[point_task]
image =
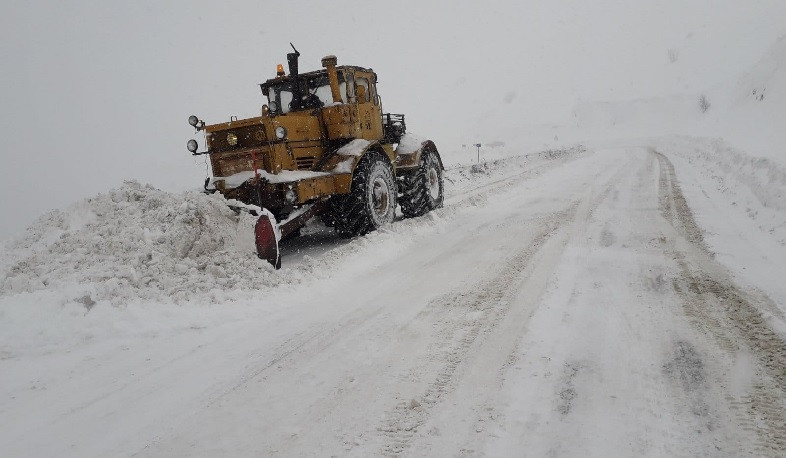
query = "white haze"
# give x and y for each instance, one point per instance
(97, 92)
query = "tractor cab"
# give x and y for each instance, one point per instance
(355, 85)
(315, 88)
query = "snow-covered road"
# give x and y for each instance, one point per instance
(567, 305)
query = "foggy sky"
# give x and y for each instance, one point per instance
(97, 92)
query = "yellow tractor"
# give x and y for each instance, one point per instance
(321, 147)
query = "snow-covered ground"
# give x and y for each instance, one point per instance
(613, 299)
(619, 296)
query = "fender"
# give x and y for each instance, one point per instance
(409, 152)
(346, 158)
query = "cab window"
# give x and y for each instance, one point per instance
(367, 89)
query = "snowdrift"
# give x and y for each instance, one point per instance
(753, 187)
(136, 242)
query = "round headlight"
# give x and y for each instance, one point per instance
(193, 120)
(281, 132)
(231, 139)
(273, 106)
(290, 197)
(192, 145)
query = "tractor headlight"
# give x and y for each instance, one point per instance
(232, 139)
(193, 120)
(281, 132)
(290, 196)
(192, 145)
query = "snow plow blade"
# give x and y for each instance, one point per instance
(267, 243)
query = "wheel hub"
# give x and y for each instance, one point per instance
(380, 195)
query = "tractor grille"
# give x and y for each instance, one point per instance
(305, 163)
(246, 137)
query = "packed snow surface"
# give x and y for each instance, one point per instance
(619, 299)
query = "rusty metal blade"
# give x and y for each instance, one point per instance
(267, 244)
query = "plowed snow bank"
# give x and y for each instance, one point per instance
(136, 242)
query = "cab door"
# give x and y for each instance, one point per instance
(369, 109)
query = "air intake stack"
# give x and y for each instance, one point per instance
(329, 63)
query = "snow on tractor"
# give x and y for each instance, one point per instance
(322, 147)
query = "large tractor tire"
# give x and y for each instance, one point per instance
(371, 202)
(423, 188)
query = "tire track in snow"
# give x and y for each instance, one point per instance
(730, 315)
(500, 349)
(492, 315)
(553, 158)
(479, 194)
(471, 194)
(464, 318)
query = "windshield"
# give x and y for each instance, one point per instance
(317, 95)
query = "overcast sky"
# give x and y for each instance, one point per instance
(95, 92)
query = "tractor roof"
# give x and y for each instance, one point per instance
(287, 78)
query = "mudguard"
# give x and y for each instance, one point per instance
(346, 158)
(409, 152)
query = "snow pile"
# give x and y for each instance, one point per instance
(136, 242)
(756, 186)
(765, 179)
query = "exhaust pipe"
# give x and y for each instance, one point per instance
(297, 97)
(329, 63)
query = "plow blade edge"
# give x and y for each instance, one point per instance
(267, 242)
